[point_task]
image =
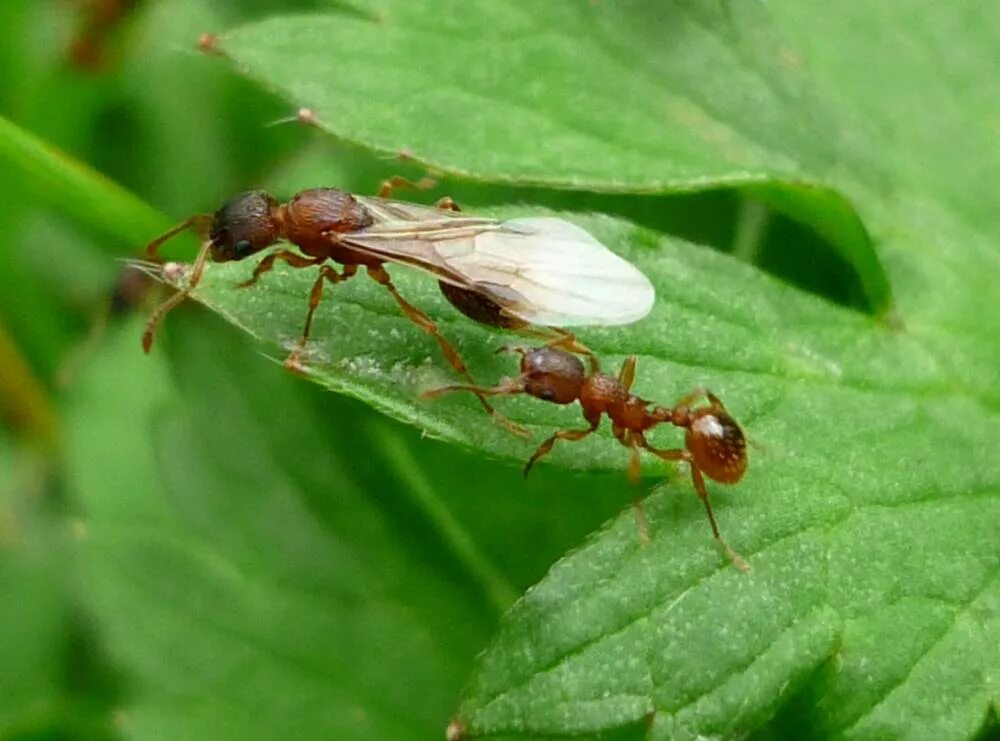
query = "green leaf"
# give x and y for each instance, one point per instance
(614, 109)
(30, 627)
(797, 375)
(870, 515)
(270, 559)
(256, 570)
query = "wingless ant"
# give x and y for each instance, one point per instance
(714, 445)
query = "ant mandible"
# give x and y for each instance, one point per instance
(714, 444)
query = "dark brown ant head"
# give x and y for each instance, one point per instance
(244, 226)
(716, 443)
(552, 375)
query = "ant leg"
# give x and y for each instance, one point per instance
(267, 264)
(521, 350)
(398, 181)
(507, 387)
(692, 396)
(627, 374)
(293, 362)
(699, 486)
(198, 223)
(415, 315)
(715, 400)
(564, 340)
(624, 437)
(154, 319)
(634, 474)
(634, 463)
(425, 183)
(546, 447)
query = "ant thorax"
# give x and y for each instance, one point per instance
(311, 216)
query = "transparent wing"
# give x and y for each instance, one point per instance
(542, 270)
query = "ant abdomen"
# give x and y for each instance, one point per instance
(717, 445)
(552, 375)
(478, 307)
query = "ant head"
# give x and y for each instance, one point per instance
(552, 375)
(245, 225)
(717, 444)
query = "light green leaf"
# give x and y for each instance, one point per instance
(33, 624)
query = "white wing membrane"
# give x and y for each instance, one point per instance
(542, 270)
(565, 277)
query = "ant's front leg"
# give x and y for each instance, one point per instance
(627, 438)
(267, 264)
(506, 387)
(154, 319)
(546, 447)
(326, 275)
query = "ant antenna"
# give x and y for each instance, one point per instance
(199, 223)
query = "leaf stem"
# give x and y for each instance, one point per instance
(499, 591)
(75, 188)
(23, 400)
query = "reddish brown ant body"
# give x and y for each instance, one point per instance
(714, 445)
(531, 274)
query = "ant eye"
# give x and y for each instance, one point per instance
(242, 249)
(547, 395)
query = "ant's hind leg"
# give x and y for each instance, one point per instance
(326, 274)
(415, 315)
(508, 387)
(398, 181)
(425, 183)
(561, 339)
(689, 398)
(716, 401)
(699, 486)
(267, 264)
(546, 447)
(634, 474)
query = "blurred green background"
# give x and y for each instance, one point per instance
(336, 527)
